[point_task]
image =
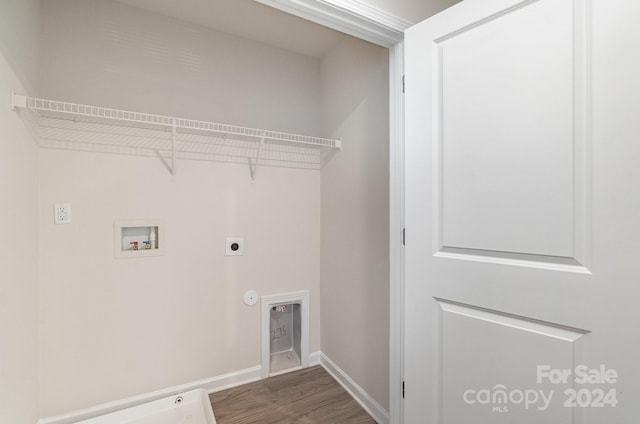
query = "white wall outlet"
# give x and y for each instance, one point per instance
(235, 246)
(62, 213)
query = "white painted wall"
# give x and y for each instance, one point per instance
(127, 326)
(355, 216)
(18, 261)
(411, 10)
(112, 328)
(19, 38)
(100, 51)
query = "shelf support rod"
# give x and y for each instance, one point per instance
(173, 147)
(254, 165)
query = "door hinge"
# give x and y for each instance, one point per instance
(403, 390)
(403, 236)
(403, 84)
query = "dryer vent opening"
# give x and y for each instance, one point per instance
(285, 332)
(285, 335)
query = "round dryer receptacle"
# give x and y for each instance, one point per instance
(251, 298)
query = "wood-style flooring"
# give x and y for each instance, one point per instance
(306, 396)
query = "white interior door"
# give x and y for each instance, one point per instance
(523, 214)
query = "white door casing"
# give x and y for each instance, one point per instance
(521, 213)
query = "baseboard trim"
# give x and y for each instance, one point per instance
(211, 385)
(314, 358)
(222, 382)
(369, 404)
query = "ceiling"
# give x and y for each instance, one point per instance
(249, 19)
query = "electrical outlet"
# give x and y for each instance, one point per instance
(62, 213)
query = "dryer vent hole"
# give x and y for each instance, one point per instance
(285, 332)
(285, 335)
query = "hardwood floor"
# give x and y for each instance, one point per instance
(307, 396)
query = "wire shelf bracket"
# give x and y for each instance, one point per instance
(71, 126)
(254, 164)
(174, 133)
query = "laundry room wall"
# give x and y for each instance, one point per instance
(19, 223)
(113, 328)
(355, 216)
(20, 40)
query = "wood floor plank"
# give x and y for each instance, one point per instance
(306, 396)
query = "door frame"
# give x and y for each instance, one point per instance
(365, 22)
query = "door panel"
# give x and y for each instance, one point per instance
(478, 346)
(518, 254)
(509, 118)
(496, 85)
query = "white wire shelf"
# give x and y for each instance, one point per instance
(71, 126)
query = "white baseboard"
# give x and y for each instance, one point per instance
(369, 404)
(222, 382)
(211, 385)
(314, 358)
